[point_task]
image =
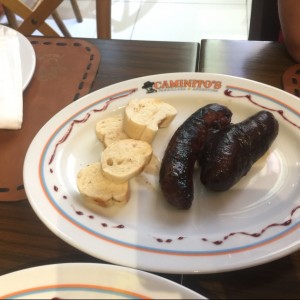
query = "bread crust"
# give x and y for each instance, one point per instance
(110, 130)
(93, 186)
(143, 118)
(124, 159)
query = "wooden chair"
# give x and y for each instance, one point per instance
(103, 13)
(34, 17)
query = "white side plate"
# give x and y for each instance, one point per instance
(28, 58)
(89, 281)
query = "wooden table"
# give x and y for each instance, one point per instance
(261, 61)
(264, 62)
(26, 242)
(122, 59)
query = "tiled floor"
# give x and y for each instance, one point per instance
(168, 20)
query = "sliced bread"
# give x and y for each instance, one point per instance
(110, 130)
(93, 186)
(142, 118)
(125, 159)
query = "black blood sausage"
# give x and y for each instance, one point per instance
(177, 167)
(230, 153)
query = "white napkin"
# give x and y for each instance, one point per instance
(11, 89)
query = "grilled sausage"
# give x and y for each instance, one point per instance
(230, 153)
(177, 167)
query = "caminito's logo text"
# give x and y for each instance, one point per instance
(181, 84)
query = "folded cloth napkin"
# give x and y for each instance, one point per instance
(11, 90)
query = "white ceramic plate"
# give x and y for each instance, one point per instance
(89, 281)
(255, 222)
(28, 58)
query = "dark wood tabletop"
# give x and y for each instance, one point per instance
(265, 62)
(256, 60)
(26, 242)
(122, 59)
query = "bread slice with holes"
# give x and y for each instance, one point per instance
(124, 159)
(110, 129)
(94, 187)
(142, 118)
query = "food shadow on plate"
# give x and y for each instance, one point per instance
(148, 209)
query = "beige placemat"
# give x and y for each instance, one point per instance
(65, 71)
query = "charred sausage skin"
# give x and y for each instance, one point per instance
(230, 153)
(177, 167)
